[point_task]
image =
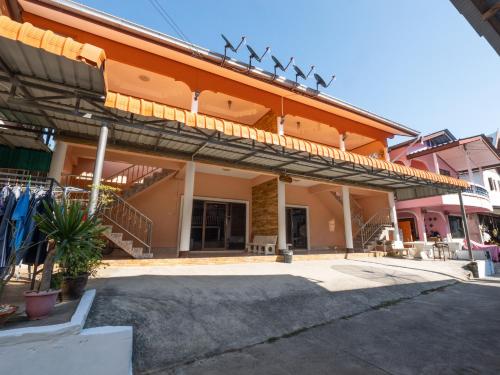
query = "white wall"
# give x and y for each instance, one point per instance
(67, 348)
(494, 195)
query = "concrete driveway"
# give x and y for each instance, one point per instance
(308, 317)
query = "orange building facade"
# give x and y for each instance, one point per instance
(207, 154)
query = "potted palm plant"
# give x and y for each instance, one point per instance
(77, 241)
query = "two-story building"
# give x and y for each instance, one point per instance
(474, 159)
(207, 152)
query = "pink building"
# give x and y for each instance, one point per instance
(474, 159)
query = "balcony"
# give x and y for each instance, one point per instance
(477, 189)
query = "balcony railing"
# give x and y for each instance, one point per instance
(477, 190)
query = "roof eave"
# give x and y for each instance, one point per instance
(216, 58)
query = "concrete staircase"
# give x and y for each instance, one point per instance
(372, 230)
(126, 245)
(145, 183)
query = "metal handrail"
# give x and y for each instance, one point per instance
(114, 209)
(477, 189)
(126, 217)
(134, 173)
(373, 225)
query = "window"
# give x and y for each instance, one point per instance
(444, 172)
(456, 227)
(491, 183)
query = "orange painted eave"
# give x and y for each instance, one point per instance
(151, 109)
(42, 13)
(47, 40)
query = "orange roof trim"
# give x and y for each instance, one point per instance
(146, 108)
(49, 41)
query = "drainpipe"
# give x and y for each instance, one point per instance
(99, 162)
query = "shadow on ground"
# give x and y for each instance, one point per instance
(179, 320)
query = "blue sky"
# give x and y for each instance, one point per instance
(419, 63)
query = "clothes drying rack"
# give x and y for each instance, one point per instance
(21, 178)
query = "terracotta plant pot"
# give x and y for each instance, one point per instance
(6, 311)
(39, 305)
(73, 287)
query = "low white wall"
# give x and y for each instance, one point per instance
(67, 348)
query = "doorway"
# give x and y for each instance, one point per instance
(296, 227)
(218, 225)
(407, 226)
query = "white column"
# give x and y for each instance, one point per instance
(436, 163)
(421, 226)
(281, 216)
(281, 125)
(469, 168)
(194, 102)
(394, 216)
(187, 207)
(346, 204)
(99, 162)
(57, 162)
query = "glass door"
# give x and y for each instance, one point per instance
(218, 225)
(296, 227)
(214, 236)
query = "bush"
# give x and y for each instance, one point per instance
(76, 237)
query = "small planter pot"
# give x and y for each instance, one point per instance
(6, 311)
(39, 305)
(73, 287)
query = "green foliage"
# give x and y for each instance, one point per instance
(76, 235)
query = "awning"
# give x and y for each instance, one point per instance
(47, 91)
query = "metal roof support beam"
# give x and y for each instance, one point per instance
(14, 80)
(233, 145)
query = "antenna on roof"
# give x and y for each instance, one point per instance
(321, 82)
(278, 65)
(230, 46)
(300, 73)
(253, 55)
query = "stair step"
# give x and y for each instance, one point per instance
(117, 236)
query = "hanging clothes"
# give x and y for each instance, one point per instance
(19, 217)
(7, 204)
(34, 244)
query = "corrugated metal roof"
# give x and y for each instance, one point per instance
(489, 28)
(148, 108)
